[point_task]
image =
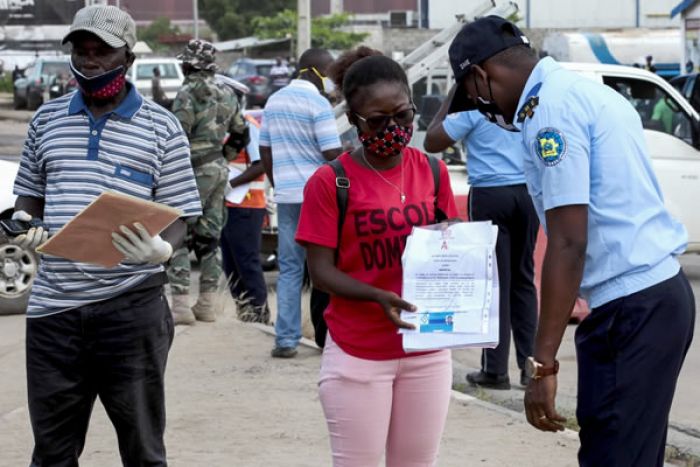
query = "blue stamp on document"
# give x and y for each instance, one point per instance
(442, 321)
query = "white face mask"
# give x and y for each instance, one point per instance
(326, 82)
(328, 85)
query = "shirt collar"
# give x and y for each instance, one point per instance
(302, 83)
(126, 109)
(543, 68)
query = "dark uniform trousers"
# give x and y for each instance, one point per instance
(630, 352)
(511, 209)
(240, 246)
(115, 349)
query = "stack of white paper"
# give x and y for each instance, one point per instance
(450, 273)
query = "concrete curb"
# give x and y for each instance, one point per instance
(14, 116)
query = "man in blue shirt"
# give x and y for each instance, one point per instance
(609, 236)
(92, 331)
(498, 194)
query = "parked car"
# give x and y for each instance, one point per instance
(18, 266)
(254, 73)
(32, 90)
(171, 76)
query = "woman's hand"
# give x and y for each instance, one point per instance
(392, 305)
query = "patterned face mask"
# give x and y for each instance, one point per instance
(104, 86)
(387, 142)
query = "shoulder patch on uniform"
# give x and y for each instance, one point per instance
(550, 146)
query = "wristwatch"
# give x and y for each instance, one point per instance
(537, 370)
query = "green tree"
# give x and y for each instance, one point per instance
(158, 28)
(325, 30)
(232, 19)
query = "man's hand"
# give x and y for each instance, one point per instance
(140, 247)
(392, 305)
(539, 404)
(34, 236)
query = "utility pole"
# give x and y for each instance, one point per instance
(303, 26)
(195, 15)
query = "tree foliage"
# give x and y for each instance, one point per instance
(326, 31)
(231, 19)
(158, 28)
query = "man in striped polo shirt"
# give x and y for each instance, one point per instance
(298, 135)
(93, 331)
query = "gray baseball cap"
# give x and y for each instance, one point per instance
(114, 26)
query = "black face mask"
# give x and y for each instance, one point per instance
(491, 111)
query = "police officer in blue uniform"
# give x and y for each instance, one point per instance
(609, 237)
(498, 194)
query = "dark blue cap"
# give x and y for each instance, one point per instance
(475, 43)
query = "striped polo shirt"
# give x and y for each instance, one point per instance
(298, 124)
(70, 158)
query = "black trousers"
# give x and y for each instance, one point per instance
(241, 241)
(115, 350)
(511, 209)
(630, 352)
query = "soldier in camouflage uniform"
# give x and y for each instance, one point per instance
(207, 112)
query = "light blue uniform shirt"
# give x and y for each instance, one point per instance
(586, 146)
(494, 155)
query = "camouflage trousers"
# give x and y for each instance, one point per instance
(203, 233)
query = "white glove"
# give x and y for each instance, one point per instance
(34, 236)
(140, 247)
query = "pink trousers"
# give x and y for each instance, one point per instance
(398, 406)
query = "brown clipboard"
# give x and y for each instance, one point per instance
(87, 238)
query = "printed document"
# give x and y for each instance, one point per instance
(236, 195)
(450, 274)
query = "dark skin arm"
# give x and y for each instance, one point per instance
(175, 233)
(254, 171)
(562, 271)
(327, 277)
(32, 206)
(436, 139)
(266, 159)
(331, 154)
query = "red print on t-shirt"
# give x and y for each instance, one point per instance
(372, 242)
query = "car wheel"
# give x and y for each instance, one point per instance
(33, 101)
(17, 102)
(18, 268)
(268, 261)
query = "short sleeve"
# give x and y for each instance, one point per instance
(265, 130)
(176, 183)
(560, 144)
(325, 128)
(459, 125)
(31, 180)
(446, 200)
(253, 148)
(318, 222)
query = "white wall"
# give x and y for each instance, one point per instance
(569, 14)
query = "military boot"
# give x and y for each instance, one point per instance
(206, 307)
(180, 308)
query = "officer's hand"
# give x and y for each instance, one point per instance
(140, 247)
(34, 236)
(392, 305)
(539, 404)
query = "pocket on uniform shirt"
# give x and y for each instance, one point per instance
(133, 175)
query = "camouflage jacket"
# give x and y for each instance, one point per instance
(207, 112)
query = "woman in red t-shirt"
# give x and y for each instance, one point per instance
(375, 396)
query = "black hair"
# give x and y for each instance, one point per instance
(364, 67)
(314, 58)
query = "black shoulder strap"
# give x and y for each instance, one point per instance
(342, 185)
(435, 169)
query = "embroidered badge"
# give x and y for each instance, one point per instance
(550, 146)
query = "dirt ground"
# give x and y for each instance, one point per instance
(230, 404)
